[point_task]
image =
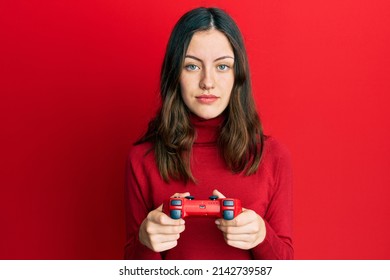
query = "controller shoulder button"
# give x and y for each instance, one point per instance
(175, 214)
(228, 203)
(176, 202)
(228, 214)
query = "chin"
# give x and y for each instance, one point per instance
(207, 115)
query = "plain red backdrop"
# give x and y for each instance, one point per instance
(79, 82)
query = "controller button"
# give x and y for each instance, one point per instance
(176, 214)
(190, 197)
(213, 197)
(228, 214)
(228, 203)
(176, 202)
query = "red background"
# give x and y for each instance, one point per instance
(79, 81)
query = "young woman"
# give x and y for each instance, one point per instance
(207, 139)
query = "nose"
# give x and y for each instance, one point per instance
(207, 80)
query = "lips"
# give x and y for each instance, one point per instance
(206, 98)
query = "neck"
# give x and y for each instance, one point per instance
(207, 130)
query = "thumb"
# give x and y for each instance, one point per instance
(217, 193)
(181, 194)
(160, 208)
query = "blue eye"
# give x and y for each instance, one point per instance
(191, 67)
(223, 67)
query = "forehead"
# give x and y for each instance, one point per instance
(209, 44)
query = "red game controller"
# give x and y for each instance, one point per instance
(179, 207)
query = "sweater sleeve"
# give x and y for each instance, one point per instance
(278, 217)
(136, 208)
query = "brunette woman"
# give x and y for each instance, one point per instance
(207, 139)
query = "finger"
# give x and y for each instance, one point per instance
(239, 244)
(244, 218)
(158, 217)
(159, 243)
(219, 194)
(239, 237)
(165, 220)
(163, 238)
(165, 230)
(181, 194)
(251, 228)
(165, 246)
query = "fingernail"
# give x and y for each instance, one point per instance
(217, 222)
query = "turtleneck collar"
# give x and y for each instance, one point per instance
(206, 131)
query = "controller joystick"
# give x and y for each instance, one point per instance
(226, 208)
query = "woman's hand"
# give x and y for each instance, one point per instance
(245, 231)
(159, 232)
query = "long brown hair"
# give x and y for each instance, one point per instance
(241, 137)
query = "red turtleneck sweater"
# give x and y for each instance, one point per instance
(268, 193)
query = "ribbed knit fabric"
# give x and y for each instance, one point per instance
(268, 193)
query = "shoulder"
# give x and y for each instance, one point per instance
(140, 150)
(275, 149)
(140, 155)
(276, 155)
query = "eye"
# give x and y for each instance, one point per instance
(223, 67)
(191, 67)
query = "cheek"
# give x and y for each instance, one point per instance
(185, 91)
(184, 84)
(188, 86)
(228, 84)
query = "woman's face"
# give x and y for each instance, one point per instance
(207, 76)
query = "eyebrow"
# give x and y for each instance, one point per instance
(219, 58)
